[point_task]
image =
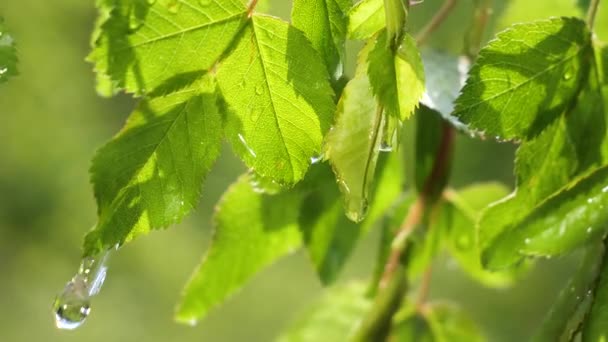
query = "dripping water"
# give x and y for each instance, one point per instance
(72, 306)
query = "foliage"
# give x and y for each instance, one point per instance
(316, 140)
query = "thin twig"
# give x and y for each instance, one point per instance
(425, 286)
(436, 21)
(593, 7)
(251, 7)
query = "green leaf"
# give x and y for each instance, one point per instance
(397, 79)
(252, 230)
(413, 328)
(525, 78)
(569, 147)
(450, 324)
(279, 100)
(150, 175)
(352, 146)
(573, 216)
(594, 328)
(366, 18)
(459, 215)
(333, 318)
(324, 22)
(140, 47)
(574, 300)
(8, 54)
(329, 235)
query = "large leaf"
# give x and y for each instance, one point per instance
(141, 47)
(396, 77)
(366, 18)
(569, 147)
(353, 145)
(324, 22)
(525, 78)
(252, 230)
(574, 215)
(279, 99)
(8, 54)
(335, 317)
(150, 175)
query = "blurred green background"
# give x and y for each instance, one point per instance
(51, 122)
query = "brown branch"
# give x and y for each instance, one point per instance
(436, 21)
(251, 7)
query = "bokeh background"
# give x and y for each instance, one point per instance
(51, 122)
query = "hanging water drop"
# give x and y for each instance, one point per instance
(317, 159)
(72, 306)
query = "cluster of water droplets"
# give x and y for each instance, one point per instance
(73, 305)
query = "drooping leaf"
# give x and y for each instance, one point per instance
(525, 78)
(150, 175)
(333, 318)
(329, 236)
(594, 327)
(141, 46)
(459, 214)
(397, 78)
(8, 54)
(574, 300)
(279, 99)
(573, 216)
(366, 18)
(252, 230)
(324, 22)
(353, 145)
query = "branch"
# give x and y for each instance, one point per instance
(593, 7)
(436, 21)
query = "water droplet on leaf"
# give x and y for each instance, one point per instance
(72, 306)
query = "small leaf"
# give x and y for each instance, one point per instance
(324, 22)
(279, 99)
(150, 175)
(8, 54)
(366, 18)
(140, 47)
(252, 230)
(573, 216)
(525, 78)
(397, 79)
(333, 318)
(353, 145)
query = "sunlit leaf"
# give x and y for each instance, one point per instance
(366, 18)
(252, 230)
(324, 22)
(141, 47)
(525, 78)
(150, 175)
(279, 99)
(397, 79)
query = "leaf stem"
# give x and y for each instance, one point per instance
(591, 13)
(474, 38)
(250, 7)
(436, 21)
